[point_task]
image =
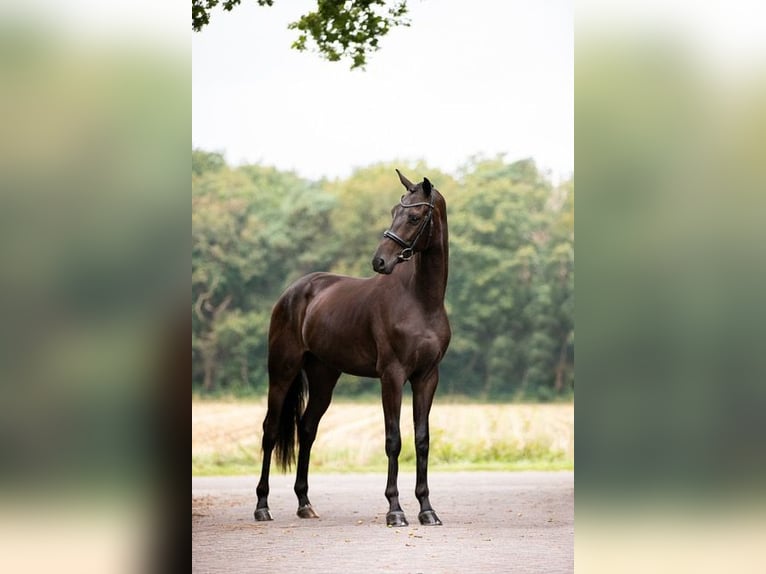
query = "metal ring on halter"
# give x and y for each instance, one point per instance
(406, 254)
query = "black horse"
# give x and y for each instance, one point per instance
(391, 326)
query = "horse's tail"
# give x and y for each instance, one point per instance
(289, 418)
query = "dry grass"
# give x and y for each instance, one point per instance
(226, 437)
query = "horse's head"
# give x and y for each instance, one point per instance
(411, 228)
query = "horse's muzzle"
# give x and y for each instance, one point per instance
(379, 265)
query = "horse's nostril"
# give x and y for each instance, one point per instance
(378, 264)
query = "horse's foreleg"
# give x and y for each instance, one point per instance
(322, 381)
(392, 406)
(423, 390)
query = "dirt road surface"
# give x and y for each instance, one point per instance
(493, 522)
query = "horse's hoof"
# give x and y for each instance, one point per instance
(396, 518)
(306, 512)
(262, 514)
(429, 518)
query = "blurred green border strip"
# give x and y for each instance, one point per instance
(94, 234)
(670, 114)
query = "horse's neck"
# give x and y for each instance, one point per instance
(431, 269)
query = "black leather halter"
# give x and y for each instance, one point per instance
(408, 246)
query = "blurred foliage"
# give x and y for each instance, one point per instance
(673, 279)
(670, 119)
(90, 228)
(510, 295)
(93, 250)
(350, 29)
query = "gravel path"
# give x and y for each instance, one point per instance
(493, 522)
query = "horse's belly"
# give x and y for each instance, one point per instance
(341, 342)
(343, 354)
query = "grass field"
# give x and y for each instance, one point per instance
(226, 436)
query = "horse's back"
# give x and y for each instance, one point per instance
(291, 306)
(329, 316)
(318, 293)
(299, 294)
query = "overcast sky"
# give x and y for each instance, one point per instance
(484, 77)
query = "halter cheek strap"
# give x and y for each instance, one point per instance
(409, 246)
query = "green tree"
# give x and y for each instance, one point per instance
(505, 313)
(510, 295)
(204, 161)
(559, 276)
(253, 231)
(350, 29)
(201, 10)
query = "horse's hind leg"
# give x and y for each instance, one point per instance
(322, 381)
(281, 379)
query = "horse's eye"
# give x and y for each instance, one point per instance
(414, 219)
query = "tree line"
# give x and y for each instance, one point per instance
(510, 295)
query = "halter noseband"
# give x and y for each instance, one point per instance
(408, 246)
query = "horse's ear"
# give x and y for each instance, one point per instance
(426, 186)
(405, 182)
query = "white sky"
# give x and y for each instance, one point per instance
(482, 77)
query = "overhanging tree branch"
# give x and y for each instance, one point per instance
(338, 30)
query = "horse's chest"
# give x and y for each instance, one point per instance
(421, 344)
(425, 354)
